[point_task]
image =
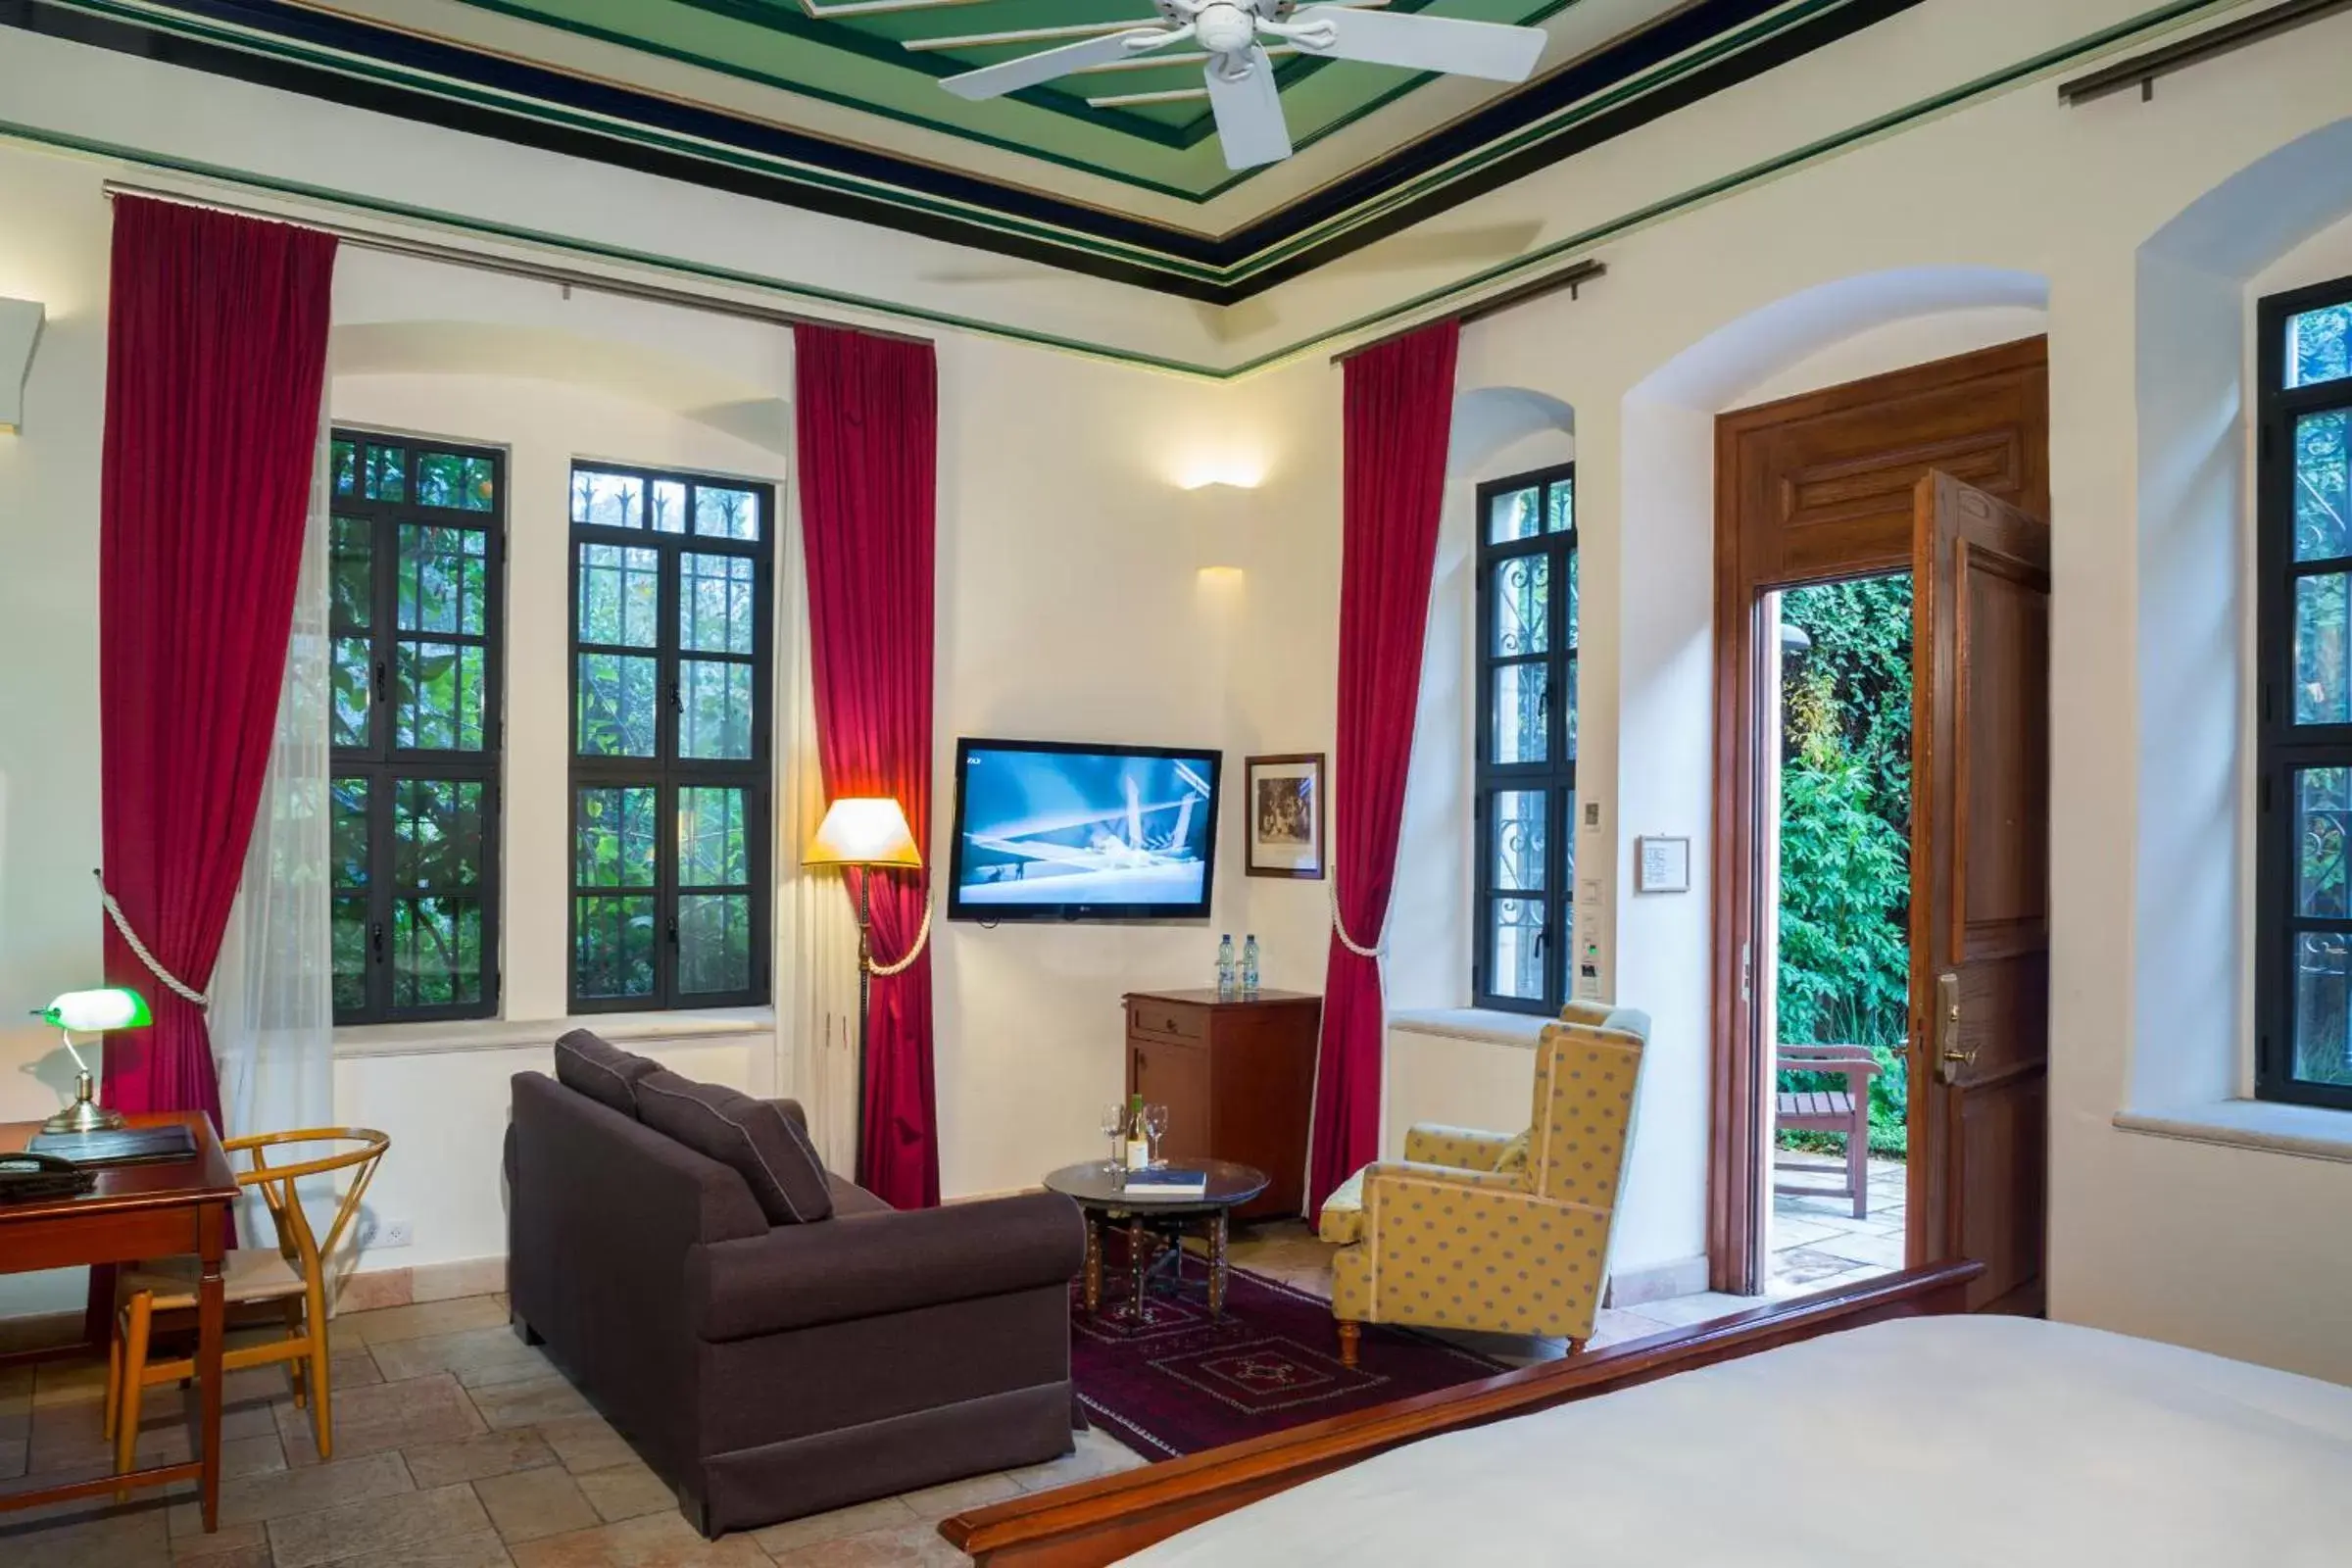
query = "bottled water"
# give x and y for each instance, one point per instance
(1225, 966)
(1250, 965)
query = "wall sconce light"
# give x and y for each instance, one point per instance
(19, 331)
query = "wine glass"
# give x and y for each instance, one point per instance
(1114, 1128)
(1156, 1127)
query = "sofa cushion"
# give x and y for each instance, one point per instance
(587, 1064)
(754, 1137)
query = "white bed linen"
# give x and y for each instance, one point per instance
(1985, 1442)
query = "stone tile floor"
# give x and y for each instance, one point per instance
(456, 1446)
(1817, 1244)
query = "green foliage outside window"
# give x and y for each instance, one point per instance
(1846, 837)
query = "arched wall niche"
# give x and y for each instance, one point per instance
(1660, 949)
(1497, 431)
(2192, 915)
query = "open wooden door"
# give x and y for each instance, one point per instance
(1980, 888)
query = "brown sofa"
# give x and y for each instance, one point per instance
(769, 1370)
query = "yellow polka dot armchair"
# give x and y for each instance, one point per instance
(1510, 1234)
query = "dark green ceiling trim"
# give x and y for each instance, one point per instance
(1426, 305)
(1127, 261)
(1399, 196)
(599, 250)
(974, 214)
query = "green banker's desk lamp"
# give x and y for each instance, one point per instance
(100, 1011)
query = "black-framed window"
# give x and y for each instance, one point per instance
(1525, 775)
(415, 608)
(672, 649)
(2303, 940)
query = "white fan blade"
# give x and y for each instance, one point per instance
(993, 81)
(1457, 48)
(1248, 114)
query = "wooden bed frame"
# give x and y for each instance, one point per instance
(1100, 1521)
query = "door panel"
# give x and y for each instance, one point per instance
(1979, 876)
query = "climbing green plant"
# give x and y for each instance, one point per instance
(1845, 835)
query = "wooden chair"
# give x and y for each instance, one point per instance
(294, 1275)
(1829, 1110)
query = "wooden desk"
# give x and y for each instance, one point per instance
(137, 1211)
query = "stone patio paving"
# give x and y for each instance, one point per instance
(1816, 1244)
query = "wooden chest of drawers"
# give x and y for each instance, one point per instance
(1237, 1078)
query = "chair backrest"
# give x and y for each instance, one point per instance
(359, 1151)
(1588, 1065)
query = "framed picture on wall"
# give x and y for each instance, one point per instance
(1286, 816)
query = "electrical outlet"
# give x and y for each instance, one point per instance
(376, 1233)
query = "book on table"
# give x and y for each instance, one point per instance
(1168, 1181)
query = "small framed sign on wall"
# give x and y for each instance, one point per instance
(1285, 798)
(1661, 865)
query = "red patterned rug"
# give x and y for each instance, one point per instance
(1189, 1382)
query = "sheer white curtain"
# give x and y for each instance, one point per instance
(272, 1012)
(817, 971)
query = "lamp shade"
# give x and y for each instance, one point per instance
(862, 830)
(98, 1011)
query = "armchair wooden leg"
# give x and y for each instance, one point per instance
(321, 1353)
(139, 1317)
(1576, 1347)
(114, 1377)
(292, 1311)
(1350, 1335)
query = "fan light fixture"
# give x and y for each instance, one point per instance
(1237, 77)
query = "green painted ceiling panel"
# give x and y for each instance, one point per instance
(859, 62)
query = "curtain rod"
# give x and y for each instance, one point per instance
(1571, 278)
(2141, 71)
(566, 277)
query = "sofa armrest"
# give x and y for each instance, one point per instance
(1461, 1147)
(866, 1265)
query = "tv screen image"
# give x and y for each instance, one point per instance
(1067, 831)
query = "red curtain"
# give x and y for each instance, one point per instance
(868, 416)
(216, 354)
(1400, 413)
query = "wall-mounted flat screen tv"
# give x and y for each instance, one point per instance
(1052, 831)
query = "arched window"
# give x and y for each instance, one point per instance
(1526, 763)
(2304, 920)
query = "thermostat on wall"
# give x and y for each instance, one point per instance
(1661, 865)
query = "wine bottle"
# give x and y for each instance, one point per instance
(1139, 1147)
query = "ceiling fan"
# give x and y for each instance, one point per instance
(1240, 76)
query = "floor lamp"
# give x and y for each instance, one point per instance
(868, 833)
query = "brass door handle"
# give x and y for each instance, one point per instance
(1947, 1027)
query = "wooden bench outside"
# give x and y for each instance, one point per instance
(1829, 1110)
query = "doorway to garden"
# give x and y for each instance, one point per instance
(1833, 970)
(1881, 620)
